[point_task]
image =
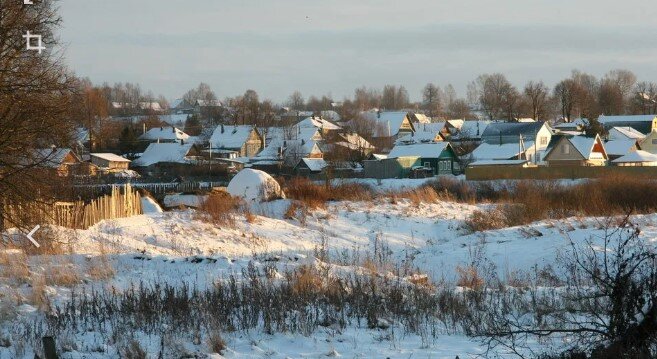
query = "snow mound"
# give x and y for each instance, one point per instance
(149, 205)
(254, 186)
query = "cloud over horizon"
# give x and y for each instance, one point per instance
(334, 47)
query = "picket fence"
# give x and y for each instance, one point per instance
(123, 201)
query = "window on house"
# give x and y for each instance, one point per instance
(544, 141)
(565, 149)
(427, 164)
(654, 141)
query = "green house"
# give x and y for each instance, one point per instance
(439, 156)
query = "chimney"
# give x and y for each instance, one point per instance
(173, 129)
(144, 128)
(222, 128)
(182, 142)
(378, 113)
(303, 142)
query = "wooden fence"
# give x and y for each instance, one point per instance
(487, 173)
(120, 203)
(153, 188)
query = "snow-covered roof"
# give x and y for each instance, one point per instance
(626, 118)
(619, 147)
(110, 157)
(155, 106)
(230, 136)
(458, 124)
(394, 118)
(487, 151)
(208, 103)
(163, 152)
(527, 129)
(473, 129)
(422, 118)
(584, 145)
(81, 135)
(637, 156)
(164, 133)
(318, 122)
(622, 133)
(578, 122)
(314, 164)
(177, 102)
(356, 140)
(331, 115)
(53, 157)
(426, 150)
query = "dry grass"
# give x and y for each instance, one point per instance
(297, 210)
(133, 350)
(306, 279)
(14, 266)
(100, 267)
(220, 208)
(216, 343)
(60, 272)
(39, 297)
(315, 195)
(468, 277)
(418, 196)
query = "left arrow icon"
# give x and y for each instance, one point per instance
(29, 236)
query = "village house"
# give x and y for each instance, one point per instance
(426, 132)
(649, 143)
(641, 123)
(452, 127)
(308, 166)
(576, 151)
(164, 134)
(620, 148)
(63, 161)
(236, 141)
(538, 133)
(637, 159)
(503, 152)
(390, 124)
(471, 131)
(167, 152)
(577, 125)
(438, 156)
(182, 107)
(625, 133)
(109, 161)
(419, 118)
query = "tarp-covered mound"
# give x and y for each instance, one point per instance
(255, 186)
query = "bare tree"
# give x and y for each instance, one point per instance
(497, 97)
(35, 103)
(537, 96)
(432, 99)
(296, 101)
(606, 305)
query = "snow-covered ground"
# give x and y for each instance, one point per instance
(175, 247)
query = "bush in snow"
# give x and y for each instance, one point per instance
(254, 186)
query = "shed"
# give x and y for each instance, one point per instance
(439, 156)
(577, 151)
(110, 161)
(637, 159)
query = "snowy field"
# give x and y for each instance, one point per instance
(174, 247)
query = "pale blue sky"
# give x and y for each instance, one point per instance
(334, 46)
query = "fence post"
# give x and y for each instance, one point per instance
(49, 349)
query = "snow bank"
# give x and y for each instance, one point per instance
(254, 186)
(186, 200)
(149, 205)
